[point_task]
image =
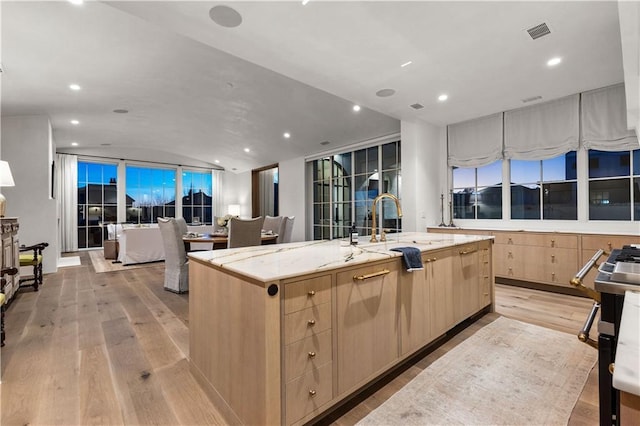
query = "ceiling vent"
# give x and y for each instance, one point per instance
(534, 98)
(416, 106)
(539, 31)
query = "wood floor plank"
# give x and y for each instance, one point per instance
(98, 402)
(137, 386)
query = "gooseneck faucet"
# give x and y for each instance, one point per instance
(373, 214)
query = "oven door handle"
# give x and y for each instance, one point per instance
(583, 335)
(577, 280)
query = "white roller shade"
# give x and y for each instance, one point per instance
(604, 120)
(476, 142)
(542, 131)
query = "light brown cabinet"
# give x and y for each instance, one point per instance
(551, 258)
(284, 351)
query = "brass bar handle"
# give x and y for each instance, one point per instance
(311, 293)
(311, 322)
(583, 335)
(577, 280)
(371, 275)
(312, 392)
(312, 354)
(431, 259)
(463, 252)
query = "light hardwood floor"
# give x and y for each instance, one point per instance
(111, 348)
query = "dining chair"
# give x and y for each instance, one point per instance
(275, 225)
(287, 229)
(182, 225)
(245, 232)
(176, 264)
(31, 256)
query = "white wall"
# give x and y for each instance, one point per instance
(27, 145)
(237, 190)
(424, 174)
(291, 192)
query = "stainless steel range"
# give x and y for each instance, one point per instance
(619, 273)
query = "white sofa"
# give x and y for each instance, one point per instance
(143, 243)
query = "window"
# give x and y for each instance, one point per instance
(544, 189)
(97, 201)
(477, 192)
(151, 193)
(614, 185)
(344, 186)
(197, 189)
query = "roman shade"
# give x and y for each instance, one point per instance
(542, 131)
(604, 120)
(476, 142)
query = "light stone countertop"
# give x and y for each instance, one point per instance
(275, 262)
(626, 375)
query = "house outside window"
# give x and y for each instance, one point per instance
(477, 192)
(97, 201)
(545, 189)
(345, 185)
(151, 193)
(614, 185)
(197, 201)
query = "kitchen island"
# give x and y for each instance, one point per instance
(279, 334)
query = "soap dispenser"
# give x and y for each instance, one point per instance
(353, 235)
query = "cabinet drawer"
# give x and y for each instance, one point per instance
(307, 353)
(308, 392)
(561, 241)
(606, 242)
(308, 322)
(519, 238)
(305, 294)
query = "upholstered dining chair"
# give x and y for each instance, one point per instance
(287, 229)
(274, 224)
(32, 256)
(182, 225)
(176, 264)
(244, 232)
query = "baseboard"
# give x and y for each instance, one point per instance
(539, 286)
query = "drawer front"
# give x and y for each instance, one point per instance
(561, 241)
(306, 323)
(308, 392)
(606, 242)
(510, 260)
(305, 294)
(519, 238)
(306, 354)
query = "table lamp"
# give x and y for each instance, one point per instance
(6, 179)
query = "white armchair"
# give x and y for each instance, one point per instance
(176, 266)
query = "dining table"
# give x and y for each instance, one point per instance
(219, 240)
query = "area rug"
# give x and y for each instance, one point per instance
(100, 264)
(507, 373)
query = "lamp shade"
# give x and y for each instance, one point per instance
(6, 178)
(234, 209)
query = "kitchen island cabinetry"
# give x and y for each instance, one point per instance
(281, 333)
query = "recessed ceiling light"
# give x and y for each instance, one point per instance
(287, 135)
(443, 97)
(406, 64)
(75, 122)
(121, 111)
(76, 2)
(74, 143)
(247, 150)
(384, 93)
(217, 161)
(356, 108)
(554, 61)
(225, 16)
(304, 2)
(74, 86)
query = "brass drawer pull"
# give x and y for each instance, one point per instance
(312, 354)
(431, 259)
(468, 251)
(312, 392)
(371, 275)
(553, 258)
(553, 243)
(311, 293)
(510, 241)
(311, 322)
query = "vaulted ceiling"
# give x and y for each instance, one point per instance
(197, 92)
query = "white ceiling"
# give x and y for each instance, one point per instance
(198, 92)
